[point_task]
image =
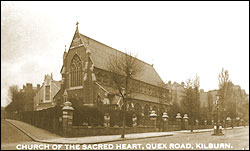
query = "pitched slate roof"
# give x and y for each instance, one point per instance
(100, 54)
(57, 83)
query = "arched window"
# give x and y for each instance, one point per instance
(146, 110)
(76, 71)
(99, 77)
(149, 91)
(137, 109)
(105, 79)
(155, 109)
(162, 110)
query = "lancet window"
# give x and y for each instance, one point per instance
(76, 71)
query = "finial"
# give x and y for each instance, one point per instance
(65, 48)
(77, 24)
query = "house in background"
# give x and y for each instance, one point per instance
(177, 91)
(28, 93)
(44, 96)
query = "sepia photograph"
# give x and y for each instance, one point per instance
(123, 75)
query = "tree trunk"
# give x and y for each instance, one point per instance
(124, 120)
(192, 122)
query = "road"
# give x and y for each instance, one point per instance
(237, 138)
(10, 136)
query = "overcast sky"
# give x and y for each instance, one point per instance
(181, 39)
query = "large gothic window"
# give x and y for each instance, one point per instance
(76, 71)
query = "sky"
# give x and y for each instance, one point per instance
(181, 39)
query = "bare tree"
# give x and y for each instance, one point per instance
(209, 105)
(124, 67)
(191, 99)
(227, 103)
(223, 84)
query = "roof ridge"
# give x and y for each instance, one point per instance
(115, 49)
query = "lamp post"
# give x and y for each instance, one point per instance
(217, 130)
(153, 116)
(165, 120)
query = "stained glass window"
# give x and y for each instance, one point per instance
(76, 71)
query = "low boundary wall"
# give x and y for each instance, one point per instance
(80, 131)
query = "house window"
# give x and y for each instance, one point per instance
(76, 71)
(47, 92)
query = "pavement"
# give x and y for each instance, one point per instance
(196, 131)
(43, 136)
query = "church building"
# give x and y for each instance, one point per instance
(86, 79)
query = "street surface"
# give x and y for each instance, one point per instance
(10, 134)
(237, 138)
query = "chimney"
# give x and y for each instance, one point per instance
(169, 83)
(29, 85)
(182, 84)
(38, 87)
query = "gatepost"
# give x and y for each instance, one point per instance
(67, 118)
(165, 121)
(178, 119)
(185, 118)
(212, 123)
(205, 123)
(228, 122)
(197, 124)
(238, 121)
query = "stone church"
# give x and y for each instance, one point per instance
(86, 78)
